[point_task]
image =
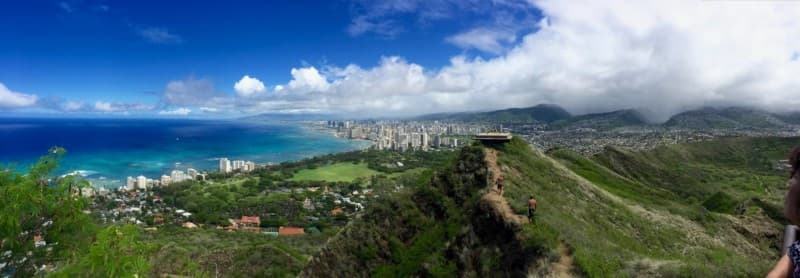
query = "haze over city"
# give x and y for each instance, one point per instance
(394, 58)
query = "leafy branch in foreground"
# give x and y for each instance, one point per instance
(41, 217)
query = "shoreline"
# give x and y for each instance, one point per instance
(91, 166)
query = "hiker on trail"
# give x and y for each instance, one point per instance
(789, 264)
(500, 185)
(531, 208)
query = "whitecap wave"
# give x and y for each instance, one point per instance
(82, 173)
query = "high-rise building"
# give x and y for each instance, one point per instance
(165, 180)
(177, 176)
(224, 165)
(250, 166)
(191, 173)
(131, 185)
(141, 182)
(238, 164)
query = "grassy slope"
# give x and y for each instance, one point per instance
(201, 252)
(343, 171)
(739, 167)
(635, 220)
(424, 231)
(707, 209)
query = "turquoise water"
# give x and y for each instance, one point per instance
(106, 151)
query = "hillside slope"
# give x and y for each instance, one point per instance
(603, 121)
(451, 224)
(687, 210)
(725, 118)
(543, 113)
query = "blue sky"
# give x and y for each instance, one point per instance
(126, 52)
(392, 57)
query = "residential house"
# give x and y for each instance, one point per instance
(290, 231)
(250, 223)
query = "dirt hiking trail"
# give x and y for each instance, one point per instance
(565, 264)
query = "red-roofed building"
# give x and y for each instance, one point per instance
(290, 231)
(250, 223)
(337, 211)
(38, 241)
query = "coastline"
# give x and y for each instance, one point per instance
(188, 144)
(318, 128)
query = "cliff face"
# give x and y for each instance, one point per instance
(452, 223)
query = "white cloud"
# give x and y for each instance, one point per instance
(389, 18)
(182, 111)
(159, 35)
(10, 99)
(102, 106)
(248, 86)
(190, 91)
(492, 40)
(308, 80)
(588, 56)
(71, 106)
(65, 6)
(108, 107)
(362, 24)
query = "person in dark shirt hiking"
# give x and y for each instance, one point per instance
(531, 208)
(789, 264)
(500, 185)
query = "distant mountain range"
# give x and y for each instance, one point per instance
(557, 118)
(608, 120)
(732, 117)
(544, 113)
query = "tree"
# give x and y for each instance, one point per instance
(39, 206)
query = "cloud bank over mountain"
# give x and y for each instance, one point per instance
(662, 57)
(659, 56)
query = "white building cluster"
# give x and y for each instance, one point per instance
(144, 183)
(227, 166)
(405, 135)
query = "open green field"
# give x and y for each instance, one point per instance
(342, 171)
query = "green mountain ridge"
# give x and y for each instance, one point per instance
(559, 119)
(545, 113)
(603, 121)
(703, 209)
(731, 117)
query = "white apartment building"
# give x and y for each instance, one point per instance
(238, 164)
(141, 182)
(131, 185)
(225, 165)
(177, 176)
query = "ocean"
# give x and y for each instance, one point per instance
(107, 151)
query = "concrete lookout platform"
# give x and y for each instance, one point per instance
(493, 138)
